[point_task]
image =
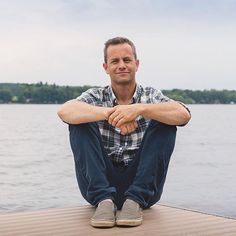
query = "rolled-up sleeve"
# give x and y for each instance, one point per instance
(156, 96)
(91, 96)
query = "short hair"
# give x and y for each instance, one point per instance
(116, 41)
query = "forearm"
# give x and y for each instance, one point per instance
(171, 113)
(76, 112)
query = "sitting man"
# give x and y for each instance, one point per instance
(122, 137)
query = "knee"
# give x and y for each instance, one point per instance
(75, 130)
(84, 133)
(84, 128)
(73, 127)
(162, 126)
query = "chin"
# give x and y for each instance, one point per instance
(123, 81)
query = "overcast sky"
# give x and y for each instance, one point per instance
(186, 44)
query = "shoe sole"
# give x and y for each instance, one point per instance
(102, 224)
(127, 222)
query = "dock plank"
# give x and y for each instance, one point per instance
(159, 220)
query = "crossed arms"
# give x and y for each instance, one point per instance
(124, 116)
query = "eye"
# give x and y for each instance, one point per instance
(114, 61)
(127, 60)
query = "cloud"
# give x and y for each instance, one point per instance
(59, 11)
(183, 44)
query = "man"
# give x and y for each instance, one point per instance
(122, 137)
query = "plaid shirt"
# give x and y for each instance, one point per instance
(121, 148)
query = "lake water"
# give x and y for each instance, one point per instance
(37, 168)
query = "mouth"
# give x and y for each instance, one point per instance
(122, 73)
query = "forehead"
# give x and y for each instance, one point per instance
(119, 50)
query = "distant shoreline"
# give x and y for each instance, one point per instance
(43, 93)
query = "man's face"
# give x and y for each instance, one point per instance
(121, 64)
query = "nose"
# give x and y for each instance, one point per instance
(121, 65)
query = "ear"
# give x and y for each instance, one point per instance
(105, 67)
(137, 64)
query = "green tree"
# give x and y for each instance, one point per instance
(5, 96)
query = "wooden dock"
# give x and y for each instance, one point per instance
(159, 220)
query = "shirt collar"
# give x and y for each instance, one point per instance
(136, 97)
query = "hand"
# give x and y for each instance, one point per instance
(108, 111)
(123, 114)
(129, 127)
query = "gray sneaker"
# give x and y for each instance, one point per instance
(130, 215)
(104, 215)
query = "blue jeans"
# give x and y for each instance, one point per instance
(142, 180)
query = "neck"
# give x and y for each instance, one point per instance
(124, 93)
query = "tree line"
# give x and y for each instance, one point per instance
(43, 93)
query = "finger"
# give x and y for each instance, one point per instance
(110, 110)
(135, 124)
(133, 128)
(116, 120)
(123, 130)
(110, 119)
(124, 119)
(120, 122)
(129, 128)
(112, 116)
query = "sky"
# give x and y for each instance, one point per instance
(185, 44)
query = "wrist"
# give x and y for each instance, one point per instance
(140, 109)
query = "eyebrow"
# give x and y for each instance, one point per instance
(114, 59)
(117, 58)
